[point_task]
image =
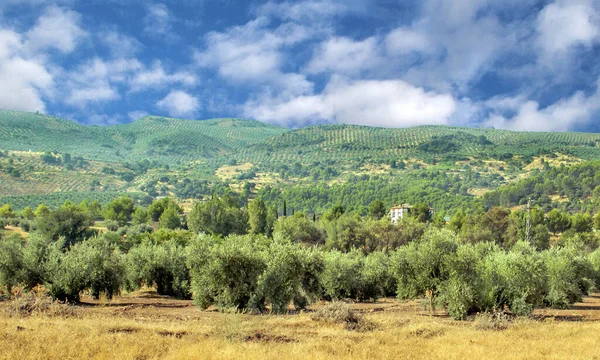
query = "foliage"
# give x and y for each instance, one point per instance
(225, 273)
(218, 216)
(162, 266)
(119, 210)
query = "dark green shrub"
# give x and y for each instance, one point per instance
(162, 266)
(225, 273)
(375, 279)
(341, 275)
(570, 276)
(11, 262)
(292, 273)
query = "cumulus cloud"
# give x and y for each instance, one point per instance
(159, 21)
(56, 28)
(157, 77)
(120, 45)
(564, 24)
(345, 56)
(563, 115)
(403, 41)
(390, 103)
(23, 80)
(95, 81)
(134, 115)
(252, 52)
(179, 104)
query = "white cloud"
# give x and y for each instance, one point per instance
(94, 81)
(252, 51)
(156, 77)
(23, 81)
(563, 115)
(179, 104)
(403, 41)
(134, 115)
(310, 11)
(56, 28)
(345, 56)
(159, 21)
(120, 45)
(562, 25)
(390, 103)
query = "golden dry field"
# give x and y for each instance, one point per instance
(143, 325)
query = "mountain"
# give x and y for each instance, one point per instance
(315, 166)
(165, 140)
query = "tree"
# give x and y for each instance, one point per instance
(170, 219)
(119, 210)
(582, 223)
(11, 262)
(139, 216)
(218, 216)
(226, 273)
(27, 213)
(334, 213)
(298, 229)
(377, 209)
(421, 212)
(558, 221)
(497, 221)
(157, 207)
(68, 222)
(6, 211)
(257, 214)
(597, 222)
(41, 210)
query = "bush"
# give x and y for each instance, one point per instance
(375, 279)
(338, 312)
(92, 264)
(38, 302)
(11, 262)
(515, 279)
(162, 266)
(570, 276)
(226, 273)
(292, 273)
(420, 268)
(340, 277)
(111, 225)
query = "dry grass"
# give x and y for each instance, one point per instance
(15, 230)
(145, 326)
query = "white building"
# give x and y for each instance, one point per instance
(399, 211)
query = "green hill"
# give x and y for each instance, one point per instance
(314, 167)
(162, 139)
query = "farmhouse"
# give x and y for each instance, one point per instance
(399, 211)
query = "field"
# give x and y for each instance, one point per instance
(144, 325)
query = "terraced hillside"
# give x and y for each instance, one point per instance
(369, 144)
(156, 156)
(162, 139)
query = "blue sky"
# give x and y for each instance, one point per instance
(513, 64)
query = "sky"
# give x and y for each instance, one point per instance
(512, 64)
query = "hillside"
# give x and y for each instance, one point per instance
(313, 167)
(162, 139)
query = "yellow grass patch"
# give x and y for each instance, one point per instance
(16, 230)
(146, 326)
(229, 171)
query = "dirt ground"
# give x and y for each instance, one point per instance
(144, 325)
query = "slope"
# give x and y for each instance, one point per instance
(164, 140)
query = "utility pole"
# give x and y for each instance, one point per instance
(528, 225)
